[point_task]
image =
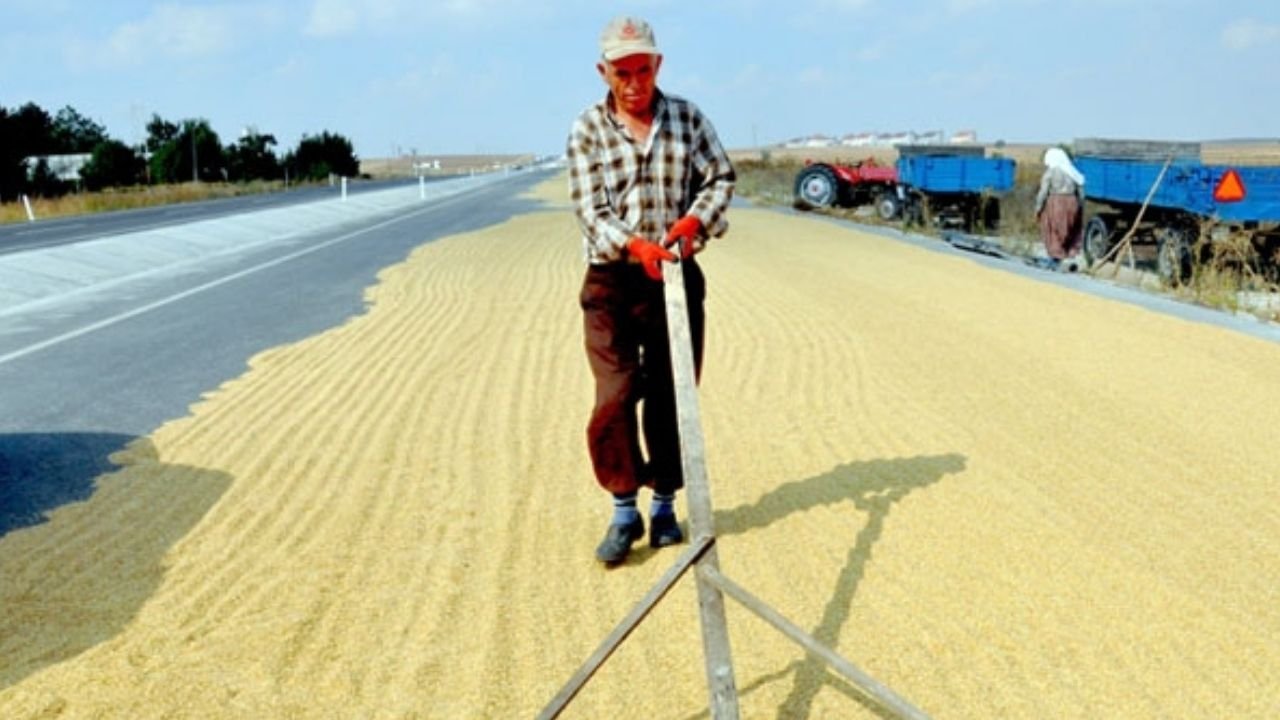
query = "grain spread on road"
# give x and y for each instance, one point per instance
(1002, 498)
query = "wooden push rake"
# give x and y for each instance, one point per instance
(701, 555)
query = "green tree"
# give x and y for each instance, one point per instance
(251, 158)
(31, 131)
(191, 144)
(159, 133)
(74, 133)
(166, 164)
(13, 171)
(24, 132)
(113, 164)
(318, 156)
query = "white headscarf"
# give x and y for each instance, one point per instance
(1056, 158)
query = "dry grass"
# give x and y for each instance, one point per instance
(148, 196)
(131, 198)
(1229, 268)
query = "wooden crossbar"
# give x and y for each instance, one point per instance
(624, 628)
(712, 585)
(871, 689)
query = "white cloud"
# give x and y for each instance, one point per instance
(332, 18)
(183, 31)
(37, 8)
(873, 52)
(813, 75)
(293, 66)
(173, 31)
(845, 4)
(1247, 33)
(423, 81)
(970, 81)
(750, 76)
(960, 7)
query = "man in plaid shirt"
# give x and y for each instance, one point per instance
(650, 183)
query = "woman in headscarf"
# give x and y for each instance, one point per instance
(1060, 207)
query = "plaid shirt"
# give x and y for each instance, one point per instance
(621, 188)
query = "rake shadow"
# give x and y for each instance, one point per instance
(873, 487)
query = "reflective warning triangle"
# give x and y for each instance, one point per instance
(1230, 187)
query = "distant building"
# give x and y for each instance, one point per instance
(64, 167)
(882, 139)
(811, 141)
(864, 139)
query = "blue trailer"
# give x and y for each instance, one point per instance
(952, 188)
(1192, 204)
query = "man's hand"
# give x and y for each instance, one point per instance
(650, 255)
(686, 231)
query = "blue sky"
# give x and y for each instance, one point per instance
(499, 76)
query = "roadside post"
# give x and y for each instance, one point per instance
(344, 188)
(422, 188)
(26, 203)
(702, 556)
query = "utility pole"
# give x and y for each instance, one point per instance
(195, 163)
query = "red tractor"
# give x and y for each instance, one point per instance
(867, 182)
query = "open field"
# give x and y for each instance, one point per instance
(1214, 153)
(1254, 153)
(449, 164)
(1004, 499)
(1218, 282)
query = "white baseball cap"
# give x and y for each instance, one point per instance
(625, 36)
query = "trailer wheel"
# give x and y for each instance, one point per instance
(1097, 239)
(817, 186)
(887, 206)
(1173, 255)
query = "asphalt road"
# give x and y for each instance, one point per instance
(77, 228)
(78, 383)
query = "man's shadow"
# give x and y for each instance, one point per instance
(74, 580)
(873, 487)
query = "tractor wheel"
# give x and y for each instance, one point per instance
(1173, 255)
(1097, 239)
(817, 187)
(887, 206)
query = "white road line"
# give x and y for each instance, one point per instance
(79, 332)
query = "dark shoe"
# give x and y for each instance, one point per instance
(617, 541)
(664, 531)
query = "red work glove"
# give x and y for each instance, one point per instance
(650, 255)
(686, 232)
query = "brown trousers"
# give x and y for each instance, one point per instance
(625, 324)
